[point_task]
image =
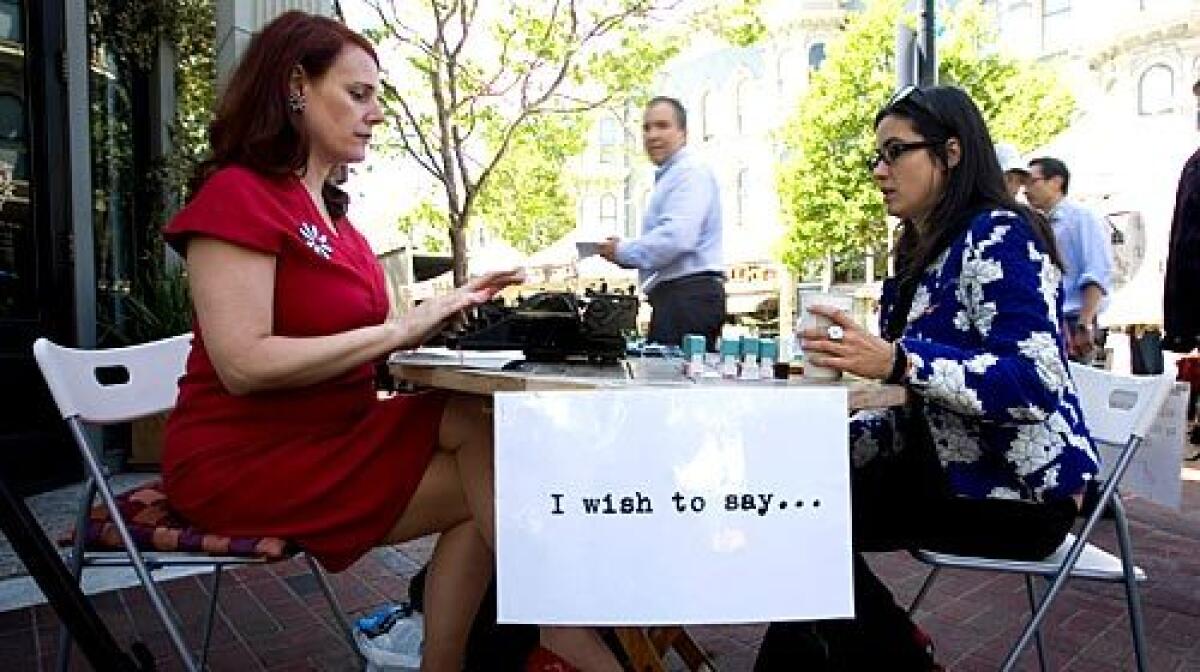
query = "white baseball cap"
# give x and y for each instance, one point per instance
(1010, 158)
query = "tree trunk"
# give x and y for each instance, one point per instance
(458, 249)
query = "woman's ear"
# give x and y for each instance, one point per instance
(953, 152)
(296, 81)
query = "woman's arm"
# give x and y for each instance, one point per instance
(233, 291)
(1007, 292)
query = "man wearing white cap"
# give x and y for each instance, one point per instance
(1015, 171)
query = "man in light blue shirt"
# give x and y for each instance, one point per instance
(679, 256)
(1085, 244)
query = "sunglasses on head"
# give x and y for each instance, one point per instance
(914, 95)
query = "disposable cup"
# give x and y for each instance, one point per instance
(809, 320)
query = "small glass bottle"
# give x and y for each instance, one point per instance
(768, 349)
(749, 365)
(729, 357)
(693, 355)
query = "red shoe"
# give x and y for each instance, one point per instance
(542, 659)
(924, 641)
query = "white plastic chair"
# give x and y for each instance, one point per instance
(103, 387)
(1119, 411)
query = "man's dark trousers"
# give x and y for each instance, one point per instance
(692, 304)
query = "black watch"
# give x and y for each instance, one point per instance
(899, 365)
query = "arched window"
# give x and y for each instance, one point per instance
(1156, 90)
(816, 55)
(608, 213)
(743, 196)
(745, 103)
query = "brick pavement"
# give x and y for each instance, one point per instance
(273, 618)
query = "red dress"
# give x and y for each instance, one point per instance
(327, 466)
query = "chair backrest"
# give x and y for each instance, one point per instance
(114, 385)
(1118, 407)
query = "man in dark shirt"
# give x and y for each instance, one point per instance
(1181, 308)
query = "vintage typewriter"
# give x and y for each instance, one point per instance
(552, 326)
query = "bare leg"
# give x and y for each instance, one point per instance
(457, 580)
(461, 566)
(581, 647)
(467, 432)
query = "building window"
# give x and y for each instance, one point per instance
(1156, 90)
(816, 55)
(708, 122)
(743, 199)
(744, 102)
(608, 213)
(1056, 15)
(782, 65)
(610, 140)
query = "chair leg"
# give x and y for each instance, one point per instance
(1037, 634)
(334, 606)
(135, 557)
(78, 548)
(1136, 625)
(912, 608)
(210, 617)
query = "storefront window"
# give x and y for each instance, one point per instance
(112, 181)
(18, 258)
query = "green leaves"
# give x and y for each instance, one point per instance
(528, 200)
(492, 100)
(829, 202)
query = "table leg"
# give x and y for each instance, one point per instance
(640, 650)
(693, 656)
(646, 648)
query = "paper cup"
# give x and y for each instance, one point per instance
(809, 320)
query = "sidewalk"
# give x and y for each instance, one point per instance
(273, 618)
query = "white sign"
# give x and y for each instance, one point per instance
(1154, 472)
(673, 506)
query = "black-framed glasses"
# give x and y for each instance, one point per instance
(894, 150)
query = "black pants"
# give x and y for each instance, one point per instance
(899, 503)
(693, 304)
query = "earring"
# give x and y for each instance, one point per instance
(296, 102)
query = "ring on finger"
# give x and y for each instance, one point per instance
(835, 333)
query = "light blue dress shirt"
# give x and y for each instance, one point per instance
(681, 231)
(1085, 245)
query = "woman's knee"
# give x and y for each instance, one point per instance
(466, 423)
(438, 504)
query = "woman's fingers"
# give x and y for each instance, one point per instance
(838, 316)
(496, 280)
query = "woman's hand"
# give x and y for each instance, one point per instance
(858, 351)
(423, 321)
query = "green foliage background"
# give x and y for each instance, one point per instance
(830, 204)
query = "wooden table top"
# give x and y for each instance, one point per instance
(631, 373)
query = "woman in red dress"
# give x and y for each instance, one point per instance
(278, 431)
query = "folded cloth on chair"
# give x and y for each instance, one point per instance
(155, 527)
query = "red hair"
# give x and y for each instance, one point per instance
(254, 125)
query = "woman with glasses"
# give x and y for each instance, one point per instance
(992, 457)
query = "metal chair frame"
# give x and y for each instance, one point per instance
(150, 372)
(1119, 411)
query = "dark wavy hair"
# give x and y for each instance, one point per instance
(254, 125)
(975, 184)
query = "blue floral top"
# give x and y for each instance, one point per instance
(987, 357)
